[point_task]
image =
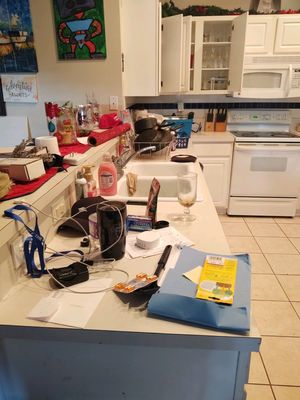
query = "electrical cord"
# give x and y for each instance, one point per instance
(71, 258)
(78, 223)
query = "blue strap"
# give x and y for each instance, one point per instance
(34, 242)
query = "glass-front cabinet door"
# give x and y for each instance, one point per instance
(199, 52)
(215, 55)
(219, 50)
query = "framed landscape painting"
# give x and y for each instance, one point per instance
(17, 52)
(80, 30)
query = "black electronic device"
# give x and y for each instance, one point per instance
(70, 275)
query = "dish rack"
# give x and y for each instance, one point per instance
(162, 151)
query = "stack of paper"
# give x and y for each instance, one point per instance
(72, 309)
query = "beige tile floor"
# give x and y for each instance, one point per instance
(274, 246)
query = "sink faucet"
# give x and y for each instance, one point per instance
(121, 161)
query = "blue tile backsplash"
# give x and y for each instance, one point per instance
(168, 106)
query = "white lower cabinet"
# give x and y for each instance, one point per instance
(216, 160)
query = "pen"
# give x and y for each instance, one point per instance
(163, 260)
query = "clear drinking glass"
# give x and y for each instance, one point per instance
(187, 194)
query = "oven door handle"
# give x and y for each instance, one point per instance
(287, 147)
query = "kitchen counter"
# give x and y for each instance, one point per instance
(122, 351)
(212, 137)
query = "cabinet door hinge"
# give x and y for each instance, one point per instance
(122, 62)
(161, 83)
(162, 27)
(228, 83)
(232, 27)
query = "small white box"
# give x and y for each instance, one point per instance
(22, 169)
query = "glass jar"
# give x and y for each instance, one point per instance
(66, 126)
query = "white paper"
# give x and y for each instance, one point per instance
(72, 309)
(168, 235)
(19, 88)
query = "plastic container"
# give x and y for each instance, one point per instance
(91, 183)
(66, 126)
(111, 217)
(107, 175)
(80, 186)
(182, 142)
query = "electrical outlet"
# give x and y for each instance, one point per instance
(180, 106)
(17, 251)
(113, 103)
(59, 209)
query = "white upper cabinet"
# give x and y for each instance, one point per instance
(212, 54)
(140, 42)
(273, 35)
(175, 54)
(236, 63)
(260, 34)
(231, 55)
(202, 54)
(171, 54)
(287, 38)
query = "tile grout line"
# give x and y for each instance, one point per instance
(288, 301)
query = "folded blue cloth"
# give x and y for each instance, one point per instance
(176, 298)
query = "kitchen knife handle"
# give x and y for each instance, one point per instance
(163, 260)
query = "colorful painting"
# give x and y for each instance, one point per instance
(19, 88)
(17, 52)
(80, 31)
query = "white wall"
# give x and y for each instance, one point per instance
(70, 80)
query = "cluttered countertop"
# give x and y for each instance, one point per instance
(91, 331)
(205, 233)
(113, 314)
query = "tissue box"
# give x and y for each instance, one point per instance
(22, 169)
(186, 123)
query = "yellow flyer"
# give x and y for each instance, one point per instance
(217, 279)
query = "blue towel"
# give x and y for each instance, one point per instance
(176, 298)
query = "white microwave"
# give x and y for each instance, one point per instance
(270, 82)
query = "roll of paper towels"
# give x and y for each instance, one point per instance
(50, 142)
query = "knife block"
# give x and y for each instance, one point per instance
(220, 126)
(209, 126)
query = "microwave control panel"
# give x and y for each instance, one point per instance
(295, 78)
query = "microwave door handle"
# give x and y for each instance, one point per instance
(289, 81)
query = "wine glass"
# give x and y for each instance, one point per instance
(186, 193)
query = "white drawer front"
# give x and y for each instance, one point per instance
(212, 149)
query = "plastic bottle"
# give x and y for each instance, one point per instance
(80, 186)
(107, 175)
(91, 183)
(122, 145)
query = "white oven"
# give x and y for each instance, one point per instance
(266, 170)
(265, 177)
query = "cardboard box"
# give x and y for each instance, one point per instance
(22, 169)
